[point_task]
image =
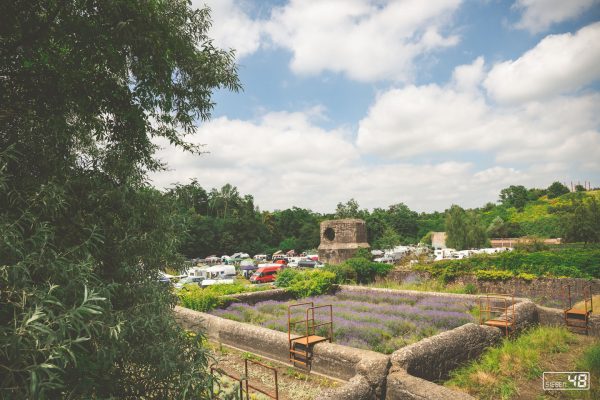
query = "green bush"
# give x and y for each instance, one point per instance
(359, 270)
(525, 276)
(306, 283)
(286, 277)
(493, 275)
(344, 273)
(205, 299)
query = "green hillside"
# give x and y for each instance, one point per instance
(539, 217)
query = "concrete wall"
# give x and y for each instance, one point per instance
(366, 370)
(433, 358)
(403, 386)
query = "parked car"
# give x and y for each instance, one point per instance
(266, 274)
(309, 264)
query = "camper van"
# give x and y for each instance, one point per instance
(219, 274)
(266, 273)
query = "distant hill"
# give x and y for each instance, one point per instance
(539, 217)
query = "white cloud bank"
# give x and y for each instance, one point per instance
(364, 39)
(558, 64)
(284, 160)
(522, 121)
(539, 15)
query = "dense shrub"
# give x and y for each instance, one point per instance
(344, 273)
(306, 283)
(205, 299)
(359, 269)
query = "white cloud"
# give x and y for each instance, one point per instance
(364, 39)
(418, 120)
(467, 78)
(539, 15)
(558, 64)
(284, 160)
(429, 120)
(232, 26)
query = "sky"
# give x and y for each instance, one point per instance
(428, 103)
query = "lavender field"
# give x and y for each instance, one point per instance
(382, 322)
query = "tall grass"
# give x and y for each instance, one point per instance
(590, 362)
(496, 374)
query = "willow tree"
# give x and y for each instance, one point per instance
(87, 87)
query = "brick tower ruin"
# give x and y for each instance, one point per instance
(341, 238)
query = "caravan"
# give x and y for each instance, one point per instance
(219, 274)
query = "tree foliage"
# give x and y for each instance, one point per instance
(556, 189)
(464, 230)
(85, 88)
(582, 224)
(514, 196)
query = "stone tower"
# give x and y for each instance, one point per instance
(341, 238)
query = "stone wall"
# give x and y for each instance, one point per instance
(548, 290)
(341, 239)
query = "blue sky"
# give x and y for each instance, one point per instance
(430, 103)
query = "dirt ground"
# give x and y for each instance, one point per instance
(294, 384)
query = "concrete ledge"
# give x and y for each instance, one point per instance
(402, 386)
(357, 388)
(433, 358)
(526, 315)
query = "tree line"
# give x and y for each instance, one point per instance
(222, 221)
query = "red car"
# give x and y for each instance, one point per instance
(266, 274)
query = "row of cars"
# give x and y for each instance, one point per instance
(204, 275)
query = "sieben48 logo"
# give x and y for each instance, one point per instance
(571, 380)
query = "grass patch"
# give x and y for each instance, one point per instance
(496, 375)
(590, 362)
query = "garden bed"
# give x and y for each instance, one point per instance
(382, 321)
